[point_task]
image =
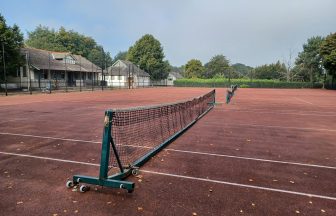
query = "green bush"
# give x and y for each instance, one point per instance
(243, 83)
(244, 86)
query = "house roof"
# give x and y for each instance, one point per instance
(123, 68)
(176, 74)
(40, 59)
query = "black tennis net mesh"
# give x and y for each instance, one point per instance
(137, 131)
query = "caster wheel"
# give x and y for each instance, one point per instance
(84, 188)
(69, 184)
(135, 172)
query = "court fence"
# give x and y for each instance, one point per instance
(54, 86)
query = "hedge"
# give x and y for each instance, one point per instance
(243, 83)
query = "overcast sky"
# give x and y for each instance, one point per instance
(252, 32)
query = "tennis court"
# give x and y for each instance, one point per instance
(269, 152)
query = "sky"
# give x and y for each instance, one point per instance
(252, 32)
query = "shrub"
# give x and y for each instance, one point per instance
(243, 83)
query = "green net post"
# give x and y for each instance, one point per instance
(114, 181)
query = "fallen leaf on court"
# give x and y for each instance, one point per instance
(310, 202)
(75, 186)
(140, 208)
(18, 149)
(210, 190)
(108, 203)
(241, 211)
(10, 187)
(76, 211)
(305, 173)
(65, 211)
(322, 210)
(194, 214)
(170, 183)
(251, 180)
(138, 176)
(248, 140)
(275, 180)
(211, 144)
(74, 189)
(292, 182)
(96, 189)
(6, 172)
(297, 212)
(21, 142)
(162, 160)
(74, 201)
(253, 204)
(55, 214)
(18, 203)
(237, 149)
(139, 180)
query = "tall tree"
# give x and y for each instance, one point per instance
(271, 71)
(328, 54)
(12, 39)
(218, 65)
(309, 59)
(68, 41)
(242, 70)
(194, 69)
(147, 52)
(121, 55)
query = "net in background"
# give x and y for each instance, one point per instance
(137, 131)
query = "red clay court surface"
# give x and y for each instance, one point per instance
(269, 152)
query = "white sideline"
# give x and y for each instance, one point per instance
(182, 176)
(307, 102)
(271, 126)
(254, 159)
(183, 151)
(276, 113)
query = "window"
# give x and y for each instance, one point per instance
(119, 78)
(45, 75)
(24, 71)
(18, 73)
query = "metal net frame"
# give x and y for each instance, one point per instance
(132, 136)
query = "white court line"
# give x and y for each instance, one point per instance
(307, 102)
(276, 113)
(185, 151)
(271, 126)
(183, 176)
(254, 159)
(283, 110)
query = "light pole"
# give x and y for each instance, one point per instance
(4, 67)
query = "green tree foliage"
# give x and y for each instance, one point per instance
(328, 54)
(12, 39)
(194, 69)
(68, 41)
(242, 70)
(271, 71)
(218, 65)
(308, 61)
(122, 55)
(147, 52)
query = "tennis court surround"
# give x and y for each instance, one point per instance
(269, 152)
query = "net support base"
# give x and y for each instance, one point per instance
(112, 182)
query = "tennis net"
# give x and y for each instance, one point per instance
(137, 131)
(133, 136)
